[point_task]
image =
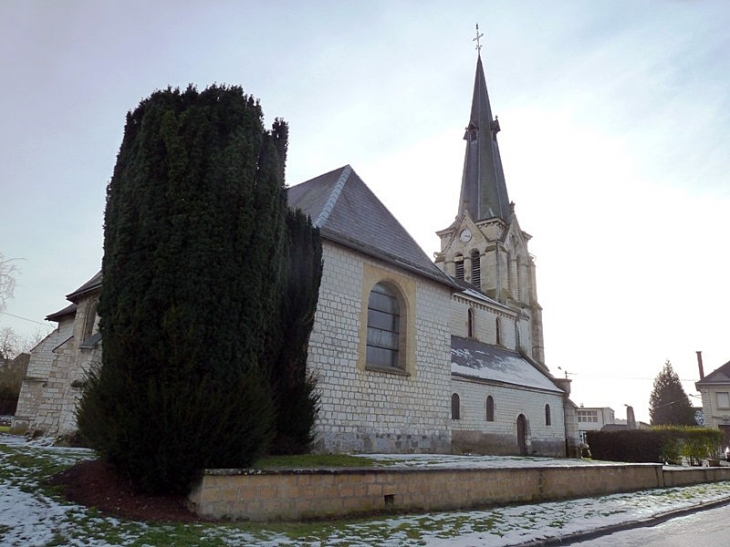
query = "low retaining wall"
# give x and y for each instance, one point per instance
(301, 494)
(684, 476)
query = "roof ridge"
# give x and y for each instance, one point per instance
(333, 197)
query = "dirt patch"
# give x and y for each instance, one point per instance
(93, 484)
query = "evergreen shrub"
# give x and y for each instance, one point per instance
(655, 445)
(295, 391)
(194, 242)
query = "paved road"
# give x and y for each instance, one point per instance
(710, 528)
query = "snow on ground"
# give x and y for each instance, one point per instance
(31, 516)
(477, 461)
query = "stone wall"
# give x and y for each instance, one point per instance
(38, 396)
(473, 433)
(369, 410)
(56, 371)
(294, 495)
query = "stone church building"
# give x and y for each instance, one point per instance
(411, 355)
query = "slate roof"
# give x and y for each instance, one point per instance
(91, 341)
(91, 285)
(483, 188)
(717, 376)
(470, 290)
(56, 316)
(347, 212)
(473, 359)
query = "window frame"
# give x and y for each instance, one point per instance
(455, 406)
(404, 288)
(382, 339)
(490, 408)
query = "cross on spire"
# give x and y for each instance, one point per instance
(479, 35)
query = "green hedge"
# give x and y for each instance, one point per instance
(666, 444)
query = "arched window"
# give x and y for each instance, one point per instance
(476, 269)
(518, 281)
(498, 329)
(490, 409)
(383, 327)
(459, 265)
(90, 320)
(548, 418)
(470, 323)
(455, 407)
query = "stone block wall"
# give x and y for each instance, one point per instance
(36, 393)
(53, 384)
(365, 410)
(473, 433)
(302, 494)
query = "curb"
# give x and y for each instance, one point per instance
(575, 537)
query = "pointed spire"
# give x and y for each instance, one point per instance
(483, 189)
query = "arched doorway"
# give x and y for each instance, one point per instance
(522, 434)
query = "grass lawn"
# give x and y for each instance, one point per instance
(308, 461)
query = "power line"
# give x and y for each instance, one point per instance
(24, 319)
(624, 377)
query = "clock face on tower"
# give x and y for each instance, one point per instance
(465, 235)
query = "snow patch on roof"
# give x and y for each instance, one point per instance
(486, 362)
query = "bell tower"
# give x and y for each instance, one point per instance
(485, 245)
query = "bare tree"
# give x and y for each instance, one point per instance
(8, 272)
(13, 368)
(9, 344)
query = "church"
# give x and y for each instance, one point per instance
(411, 355)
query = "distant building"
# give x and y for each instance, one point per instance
(593, 419)
(715, 391)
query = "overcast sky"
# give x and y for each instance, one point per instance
(615, 118)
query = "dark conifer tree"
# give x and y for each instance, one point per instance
(295, 394)
(668, 403)
(194, 238)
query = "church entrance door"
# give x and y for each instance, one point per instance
(522, 434)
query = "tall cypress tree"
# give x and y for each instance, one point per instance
(295, 394)
(194, 237)
(669, 403)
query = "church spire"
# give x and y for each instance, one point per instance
(483, 189)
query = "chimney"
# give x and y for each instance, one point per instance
(699, 364)
(630, 417)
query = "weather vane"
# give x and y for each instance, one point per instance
(479, 35)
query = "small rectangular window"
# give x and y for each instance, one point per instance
(723, 399)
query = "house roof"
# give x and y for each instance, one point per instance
(717, 376)
(347, 212)
(473, 359)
